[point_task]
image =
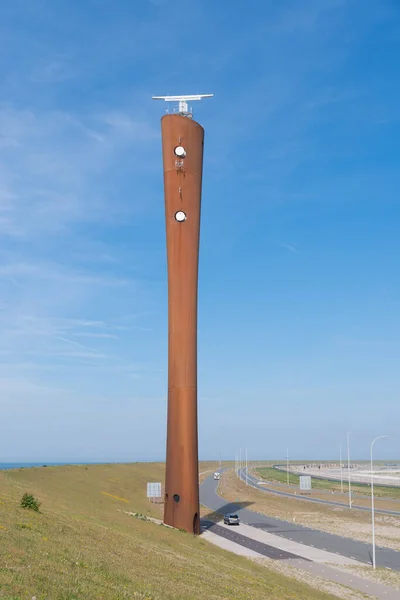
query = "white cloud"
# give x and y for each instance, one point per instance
(128, 128)
(53, 163)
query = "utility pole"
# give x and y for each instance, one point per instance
(246, 468)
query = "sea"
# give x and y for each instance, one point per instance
(26, 465)
(20, 465)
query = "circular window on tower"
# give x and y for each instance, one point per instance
(176, 497)
(180, 151)
(180, 216)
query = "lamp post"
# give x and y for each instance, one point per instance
(380, 437)
(287, 466)
(341, 471)
(348, 465)
(246, 468)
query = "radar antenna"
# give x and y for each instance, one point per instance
(183, 107)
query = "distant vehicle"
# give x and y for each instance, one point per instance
(231, 519)
(217, 475)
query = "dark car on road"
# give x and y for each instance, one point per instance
(231, 519)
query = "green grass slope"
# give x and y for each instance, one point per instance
(81, 545)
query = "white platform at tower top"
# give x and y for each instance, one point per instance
(183, 107)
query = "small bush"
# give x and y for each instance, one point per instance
(28, 501)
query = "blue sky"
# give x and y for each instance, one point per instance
(299, 290)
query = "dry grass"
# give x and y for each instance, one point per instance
(341, 521)
(80, 546)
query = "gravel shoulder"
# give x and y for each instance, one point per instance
(319, 583)
(390, 578)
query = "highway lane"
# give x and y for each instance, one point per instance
(264, 488)
(328, 492)
(385, 557)
(354, 480)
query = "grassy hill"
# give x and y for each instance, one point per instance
(81, 545)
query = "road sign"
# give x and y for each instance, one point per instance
(305, 483)
(154, 490)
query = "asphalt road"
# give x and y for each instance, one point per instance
(283, 469)
(233, 534)
(264, 488)
(385, 557)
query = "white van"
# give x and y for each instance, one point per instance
(217, 475)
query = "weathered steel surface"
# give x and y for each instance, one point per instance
(182, 187)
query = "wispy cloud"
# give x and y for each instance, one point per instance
(83, 303)
(53, 161)
(56, 273)
(57, 70)
(96, 335)
(289, 247)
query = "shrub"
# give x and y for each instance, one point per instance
(29, 501)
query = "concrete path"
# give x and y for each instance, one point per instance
(296, 549)
(249, 542)
(366, 586)
(250, 546)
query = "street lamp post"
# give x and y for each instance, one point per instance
(246, 468)
(341, 471)
(287, 466)
(380, 437)
(348, 466)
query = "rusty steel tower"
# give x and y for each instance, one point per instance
(182, 149)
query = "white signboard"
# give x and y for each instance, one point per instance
(305, 483)
(154, 490)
